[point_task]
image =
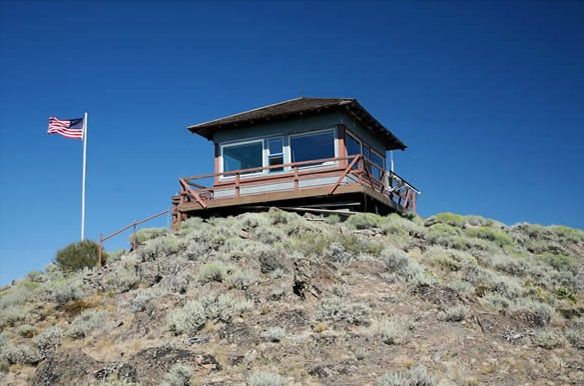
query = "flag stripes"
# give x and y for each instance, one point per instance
(70, 128)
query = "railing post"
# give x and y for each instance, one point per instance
(296, 178)
(100, 251)
(134, 241)
(237, 185)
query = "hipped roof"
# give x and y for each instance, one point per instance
(302, 107)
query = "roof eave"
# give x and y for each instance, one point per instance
(391, 141)
(350, 105)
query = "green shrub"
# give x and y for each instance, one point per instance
(116, 255)
(242, 278)
(497, 236)
(265, 379)
(395, 224)
(124, 275)
(481, 221)
(36, 277)
(335, 309)
(19, 354)
(332, 219)
(533, 312)
(576, 337)
(146, 234)
(562, 262)
(516, 266)
(12, 315)
(461, 286)
(274, 334)
(567, 234)
(455, 314)
(214, 271)
(161, 247)
(310, 243)
(17, 294)
(143, 297)
(449, 218)
(194, 314)
(363, 221)
(77, 256)
(278, 216)
(178, 375)
(547, 339)
(26, 331)
(112, 380)
(389, 331)
(398, 262)
(481, 277)
(85, 323)
(65, 290)
(358, 245)
(497, 300)
(418, 376)
(450, 259)
(336, 252)
(442, 234)
(47, 341)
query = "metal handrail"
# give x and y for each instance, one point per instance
(133, 225)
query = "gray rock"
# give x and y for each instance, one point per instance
(65, 368)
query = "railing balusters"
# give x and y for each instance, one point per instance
(386, 182)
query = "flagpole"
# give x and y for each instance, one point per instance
(83, 179)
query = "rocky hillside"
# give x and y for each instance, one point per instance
(280, 299)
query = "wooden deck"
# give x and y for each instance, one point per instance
(324, 182)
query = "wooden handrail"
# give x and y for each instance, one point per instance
(388, 183)
(134, 224)
(262, 168)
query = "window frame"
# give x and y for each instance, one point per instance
(356, 140)
(222, 146)
(268, 154)
(382, 166)
(308, 133)
(366, 148)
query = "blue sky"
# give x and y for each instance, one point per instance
(489, 97)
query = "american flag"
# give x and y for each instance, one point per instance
(70, 128)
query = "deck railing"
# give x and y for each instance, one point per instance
(352, 169)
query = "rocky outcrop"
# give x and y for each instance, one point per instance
(147, 367)
(71, 367)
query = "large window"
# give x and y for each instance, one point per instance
(353, 145)
(242, 156)
(376, 161)
(353, 148)
(376, 164)
(313, 146)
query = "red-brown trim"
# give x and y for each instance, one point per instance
(342, 150)
(398, 190)
(217, 162)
